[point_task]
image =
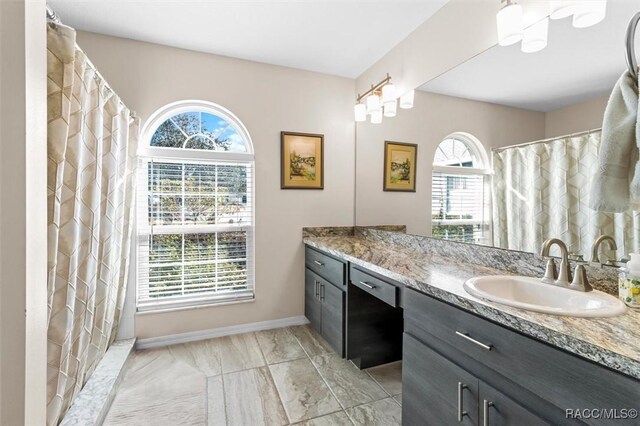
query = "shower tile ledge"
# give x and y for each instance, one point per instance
(92, 404)
(611, 342)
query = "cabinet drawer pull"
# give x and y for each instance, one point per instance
(461, 412)
(318, 263)
(315, 287)
(472, 340)
(367, 285)
(485, 414)
(321, 291)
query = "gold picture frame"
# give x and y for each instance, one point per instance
(301, 161)
(400, 166)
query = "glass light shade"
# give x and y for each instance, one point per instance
(562, 9)
(536, 36)
(391, 108)
(373, 104)
(589, 13)
(388, 93)
(406, 100)
(360, 112)
(509, 20)
(376, 117)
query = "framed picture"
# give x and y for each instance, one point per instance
(400, 166)
(302, 161)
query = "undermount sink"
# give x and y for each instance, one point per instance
(534, 295)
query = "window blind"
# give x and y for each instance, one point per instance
(458, 207)
(194, 232)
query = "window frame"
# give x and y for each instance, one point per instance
(147, 153)
(477, 149)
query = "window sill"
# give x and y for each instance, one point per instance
(182, 306)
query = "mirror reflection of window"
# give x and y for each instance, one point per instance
(460, 204)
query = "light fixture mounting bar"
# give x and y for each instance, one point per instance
(375, 88)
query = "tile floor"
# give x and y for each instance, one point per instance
(274, 377)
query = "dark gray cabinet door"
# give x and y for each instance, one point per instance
(332, 316)
(434, 390)
(312, 303)
(498, 409)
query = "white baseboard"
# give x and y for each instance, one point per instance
(192, 336)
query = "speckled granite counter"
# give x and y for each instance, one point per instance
(612, 342)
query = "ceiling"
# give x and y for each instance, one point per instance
(342, 38)
(577, 64)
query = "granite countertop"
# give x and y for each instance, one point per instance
(612, 342)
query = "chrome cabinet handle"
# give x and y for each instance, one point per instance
(315, 287)
(472, 340)
(318, 263)
(367, 285)
(461, 412)
(321, 291)
(485, 414)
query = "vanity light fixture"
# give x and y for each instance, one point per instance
(510, 26)
(589, 13)
(381, 99)
(536, 36)
(406, 100)
(563, 9)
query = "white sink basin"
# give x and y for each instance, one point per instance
(534, 295)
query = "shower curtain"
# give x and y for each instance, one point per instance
(541, 191)
(92, 143)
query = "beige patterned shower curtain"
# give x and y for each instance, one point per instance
(542, 190)
(92, 142)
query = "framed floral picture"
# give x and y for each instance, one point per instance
(302, 161)
(400, 166)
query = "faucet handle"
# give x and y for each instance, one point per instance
(551, 272)
(580, 281)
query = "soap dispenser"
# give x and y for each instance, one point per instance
(629, 282)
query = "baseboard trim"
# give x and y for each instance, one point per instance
(193, 336)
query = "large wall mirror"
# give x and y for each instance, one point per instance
(507, 146)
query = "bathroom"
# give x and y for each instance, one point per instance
(319, 212)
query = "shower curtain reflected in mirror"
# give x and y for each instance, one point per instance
(92, 142)
(541, 190)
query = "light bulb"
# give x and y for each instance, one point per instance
(536, 36)
(563, 9)
(406, 100)
(589, 13)
(373, 104)
(360, 112)
(388, 93)
(376, 117)
(509, 21)
(391, 108)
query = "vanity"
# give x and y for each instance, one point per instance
(467, 360)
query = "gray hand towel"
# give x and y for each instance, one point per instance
(616, 185)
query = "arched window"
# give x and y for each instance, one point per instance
(459, 190)
(195, 208)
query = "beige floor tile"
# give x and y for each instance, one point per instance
(240, 352)
(389, 376)
(310, 340)
(251, 398)
(398, 398)
(216, 414)
(204, 356)
(349, 384)
(279, 345)
(156, 390)
(335, 419)
(385, 412)
(303, 392)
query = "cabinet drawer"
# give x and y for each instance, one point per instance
(564, 380)
(383, 290)
(326, 266)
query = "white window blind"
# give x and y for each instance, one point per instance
(195, 214)
(194, 239)
(458, 207)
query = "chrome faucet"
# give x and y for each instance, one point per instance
(595, 248)
(551, 275)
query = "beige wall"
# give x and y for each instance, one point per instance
(583, 116)
(431, 120)
(268, 99)
(23, 222)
